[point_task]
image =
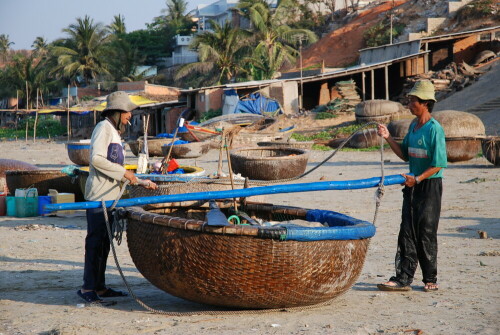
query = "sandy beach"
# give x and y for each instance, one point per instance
(41, 263)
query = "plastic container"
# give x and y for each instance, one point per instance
(11, 205)
(26, 206)
(42, 201)
(3, 205)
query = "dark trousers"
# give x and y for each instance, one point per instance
(97, 247)
(417, 241)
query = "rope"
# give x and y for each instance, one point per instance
(120, 226)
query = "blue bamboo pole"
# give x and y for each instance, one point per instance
(246, 192)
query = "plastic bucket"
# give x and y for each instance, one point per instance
(26, 206)
(42, 201)
(11, 205)
(3, 205)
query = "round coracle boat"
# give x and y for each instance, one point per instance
(79, 152)
(269, 163)
(12, 165)
(154, 145)
(186, 150)
(399, 128)
(305, 145)
(283, 265)
(463, 132)
(378, 111)
(43, 180)
(491, 149)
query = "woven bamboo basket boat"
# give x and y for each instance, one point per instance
(249, 267)
(305, 145)
(269, 163)
(43, 180)
(169, 184)
(154, 146)
(79, 152)
(187, 150)
(12, 165)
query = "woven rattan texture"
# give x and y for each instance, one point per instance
(12, 165)
(81, 155)
(243, 271)
(269, 163)
(306, 145)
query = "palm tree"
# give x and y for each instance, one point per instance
(40, 46)
(117, 27)
(83, 53)
(220, 53)
(4, 46)
(275, 37)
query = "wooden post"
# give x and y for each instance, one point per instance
(27, 113)
(363, 88)
(386, 73)
(372, 84)
(67, 121)
(36, 118)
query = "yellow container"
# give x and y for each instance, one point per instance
(59, 198)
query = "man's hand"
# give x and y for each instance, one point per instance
(383, 131)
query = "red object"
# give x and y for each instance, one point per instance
(3, 205)
(172, 165)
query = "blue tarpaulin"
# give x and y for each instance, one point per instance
(258, 104)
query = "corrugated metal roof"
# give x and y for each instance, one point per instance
(388, 52)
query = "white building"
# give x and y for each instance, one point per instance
(182, 54)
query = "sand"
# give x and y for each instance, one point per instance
(41, 265)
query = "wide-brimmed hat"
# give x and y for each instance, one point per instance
(119, 101)
(423, 89)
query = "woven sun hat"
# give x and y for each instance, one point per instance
(423, 89)
(119, 101)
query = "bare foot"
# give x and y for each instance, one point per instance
(431, 287)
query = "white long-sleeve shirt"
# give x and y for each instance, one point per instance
(106, 163)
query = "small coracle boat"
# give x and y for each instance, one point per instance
(245, 266)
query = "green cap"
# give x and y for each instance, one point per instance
(423, 89)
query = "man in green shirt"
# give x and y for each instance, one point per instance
(425, 148)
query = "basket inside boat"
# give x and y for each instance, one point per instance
(169, 184)
(242, 266)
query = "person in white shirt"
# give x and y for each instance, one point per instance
(106, 176)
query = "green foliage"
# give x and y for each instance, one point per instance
(380, 33)
(476, 10)
(46, 127)
(325, 115)
(87, 98)
(210, 114)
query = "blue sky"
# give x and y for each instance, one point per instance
(24, 20)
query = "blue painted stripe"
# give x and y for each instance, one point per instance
(78, 146)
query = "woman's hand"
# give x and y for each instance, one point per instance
(383, 131)
(130, 176)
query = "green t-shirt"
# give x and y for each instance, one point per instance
(425, 148)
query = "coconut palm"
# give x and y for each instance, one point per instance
(5, 44)
(40, 46)
(83, 53)
(117, 27)
(220, 53)
(275, 37)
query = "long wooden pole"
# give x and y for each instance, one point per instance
(27, 114)
(36, 118)
(67, 121)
